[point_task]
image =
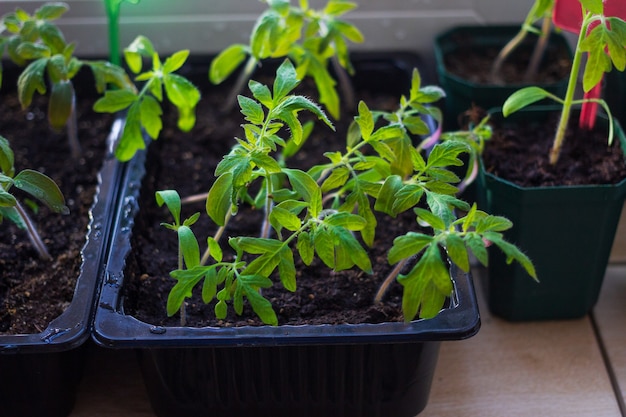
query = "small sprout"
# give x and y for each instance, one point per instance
(35, 184)
(143, 107)
(541, 10)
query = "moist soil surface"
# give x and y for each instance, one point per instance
(474, 63)
(33, 291)
(519, 153)
(186, 162)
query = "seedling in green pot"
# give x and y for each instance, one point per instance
(143, 107)
(327, 212)
(604, 39)
(541, 10)
(310, 38)
(35, 184)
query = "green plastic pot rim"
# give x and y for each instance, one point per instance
(551, 189)
(442, 69)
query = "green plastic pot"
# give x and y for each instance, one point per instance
(570, 255)
(461, 94)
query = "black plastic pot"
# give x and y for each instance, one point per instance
(570, 254)
(342, 370)
(40, 372)
(461, 93)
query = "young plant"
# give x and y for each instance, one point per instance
(327, 212)
(39, 44)
(310, 38)
(144, 109)
(604, 39)
(541, 10)
(35, 184)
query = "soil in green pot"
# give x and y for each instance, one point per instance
(186, 162)
(33, 291)
(474, 63)
(520, 154)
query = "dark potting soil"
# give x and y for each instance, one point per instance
(186, 162)
(32, 291)
(475, 64)
(520, 154)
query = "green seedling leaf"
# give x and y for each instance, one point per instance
(336, 179)
(407, 246)
(261, 93)
(346, 220)
(385, 201)
(150, 114)
(31, 80)
(512, 252)
(114, 101)
(6, 199)
(594, 6)
(266, 162)
(61, 104)
(52, 37)
(106, 73)
(209, 287)
(287, 269)
(186, 281)
(493, 224)
(134, 53)
(219, 199)
(42, 188)
(365, 121)
(265, 35)
(31, 51)
(6, 158)
(214, 249)
(171, 199)
(432, 303)
(325, 85)
(305, 248)
(132, 138)
(286, 80)
(430, 267)
(457, 251)
(297, 103)
(306, 187)
(185, 96)
(525, 97)
(431, 218)
(188, 246)
(175, 61)
(248, 285)
(226, 62)
(407, 197)
(477, 245)
(252, 110)
(51, 11)
(280, 217)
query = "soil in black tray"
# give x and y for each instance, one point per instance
(186, 162)
(520, 154)
(474, 64)
(33, 291)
